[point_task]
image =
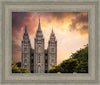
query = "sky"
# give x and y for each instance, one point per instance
(70, 28)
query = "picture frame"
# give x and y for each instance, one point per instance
(9, 6)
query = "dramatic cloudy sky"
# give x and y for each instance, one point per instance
(70, 28)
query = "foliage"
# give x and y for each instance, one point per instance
(16, 69)
(18, 64)
(55, 69)
(78, 62)
(69, 66)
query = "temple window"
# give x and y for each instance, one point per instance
(25, 55)
(39, 49)
(52, 60)
(32, 54)
(32, 61)
(25, 60)
(25, 48)
(39, 58)
(39, 69)
(52, 49)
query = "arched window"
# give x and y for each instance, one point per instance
(25, 56)
(32, 61)
(39, 48)
(25, 61)
(52, 49)
(39, 58)
(25, 48)
(52, 60)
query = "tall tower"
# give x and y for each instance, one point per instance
(25, 50)
(52, 50)
(39, 63)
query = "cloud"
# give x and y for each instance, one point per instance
(80, 24)
(19, 18)
(16, 51)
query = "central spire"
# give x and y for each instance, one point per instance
(52, 30)
(25, 29)
(39, 31)
(39, 26)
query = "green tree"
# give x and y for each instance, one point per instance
(78, 62)
(69, 66)
(16, 69)
(55, 69)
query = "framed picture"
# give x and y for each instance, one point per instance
(49, 42)
(40, 48)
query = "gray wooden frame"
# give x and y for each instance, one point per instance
(9, 6)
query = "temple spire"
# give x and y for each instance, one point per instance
(25, 35)
(39, 31)
(39, 26)
(25, 29)
(52, 29)
(52, 36)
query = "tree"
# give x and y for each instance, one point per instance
(77, 63)
(16, 69)
(55, 69)
(69, 66)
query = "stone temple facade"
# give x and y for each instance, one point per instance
(39, 59)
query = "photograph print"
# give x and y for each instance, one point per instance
(49, 42)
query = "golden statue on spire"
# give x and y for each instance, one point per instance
(39, 16)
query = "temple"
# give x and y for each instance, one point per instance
(39, 59)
